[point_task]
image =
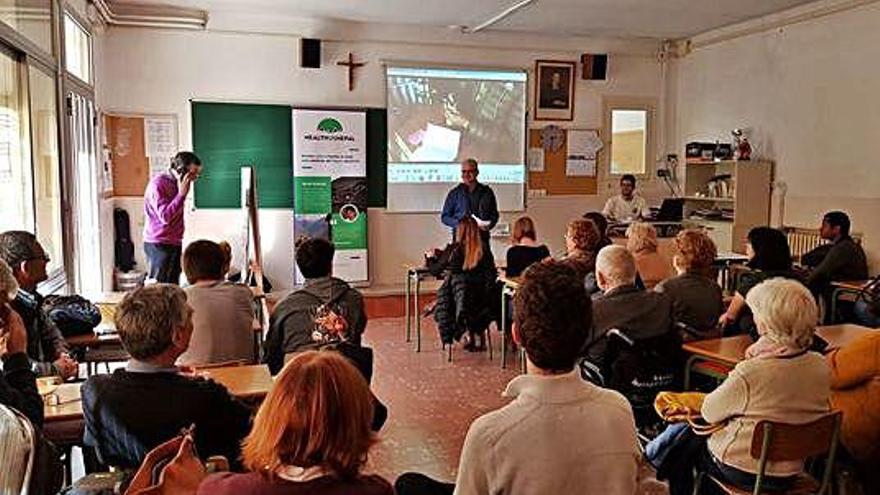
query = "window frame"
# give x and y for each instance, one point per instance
(70, 77)
(649, 106)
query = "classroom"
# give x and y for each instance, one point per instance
(471, 247)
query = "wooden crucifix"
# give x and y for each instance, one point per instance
(351, 65)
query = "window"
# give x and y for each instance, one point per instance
(15, 170)
(47, 180)
(31, 18)
(77, 50)
(629, 141)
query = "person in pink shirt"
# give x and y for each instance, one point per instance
(164, 201)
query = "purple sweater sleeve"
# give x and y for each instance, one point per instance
(167, 202)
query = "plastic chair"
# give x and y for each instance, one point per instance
(774, 441)
(17, 449)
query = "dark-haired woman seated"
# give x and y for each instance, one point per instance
(769, 257)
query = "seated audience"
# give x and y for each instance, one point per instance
(525, 249)
(696, 297)
(780, 380)
(293, 322)
(638, 313)
(769, 257)
(18, 384)
(310, 436)
(223, 315)
(855, 390)
(581, 245)
(136, 408)
(641, 240)
(527, 446)
(46, 347)
(602, 225)
(843, 259)
(467, 300)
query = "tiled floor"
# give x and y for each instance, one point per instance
(431, 402)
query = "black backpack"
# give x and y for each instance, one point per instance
(124, 248)
(74, 315)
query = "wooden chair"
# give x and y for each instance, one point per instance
(773, 441)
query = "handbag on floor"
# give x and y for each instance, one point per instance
(174, 468)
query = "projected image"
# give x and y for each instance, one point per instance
(439, 117)
(447, 116)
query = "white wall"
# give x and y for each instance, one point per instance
(808, 93)
(159, 71)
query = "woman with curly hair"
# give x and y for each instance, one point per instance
(641, 241)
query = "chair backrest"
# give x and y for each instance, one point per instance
(791, 442)
(16, 451)
(223, 364)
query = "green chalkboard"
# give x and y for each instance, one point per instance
(227, 136)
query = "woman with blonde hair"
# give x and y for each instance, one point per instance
(311, 435)
(641, 241)
(696, 297)
(525, 249)
(467, 300)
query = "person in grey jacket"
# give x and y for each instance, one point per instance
(46, 347)
(325, 304)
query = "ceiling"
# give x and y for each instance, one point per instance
(663, 19)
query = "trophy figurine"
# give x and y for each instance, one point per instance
(741, 145)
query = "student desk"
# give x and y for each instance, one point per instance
(729, 351)
(101, 346)
(64, 424)
(414, 277)
(509, 288)
(845, 288)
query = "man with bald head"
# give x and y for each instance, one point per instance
(471, 198)
(639, 313)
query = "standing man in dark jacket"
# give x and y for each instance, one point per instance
(471, 198)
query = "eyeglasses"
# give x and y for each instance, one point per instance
(468, 172)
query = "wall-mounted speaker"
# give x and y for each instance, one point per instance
(595, 66)
(310, 53)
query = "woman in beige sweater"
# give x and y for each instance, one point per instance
(780, 380)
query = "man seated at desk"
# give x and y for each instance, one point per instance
(842, 260)
(628, 205)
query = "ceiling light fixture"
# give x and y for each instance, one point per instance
(498, 18)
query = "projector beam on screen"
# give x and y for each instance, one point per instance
(439, 117)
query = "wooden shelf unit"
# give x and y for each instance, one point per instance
(749, 199)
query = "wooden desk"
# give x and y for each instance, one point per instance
(730, 351)
(244, 382)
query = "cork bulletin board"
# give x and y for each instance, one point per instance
(130, 154)
(553, 179)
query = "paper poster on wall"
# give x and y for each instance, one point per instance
(536, 159)
(330, 185)
(583, 148)
(160, 136)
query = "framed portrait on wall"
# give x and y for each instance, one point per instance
(554, 90)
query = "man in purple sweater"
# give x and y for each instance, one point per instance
(164, 201)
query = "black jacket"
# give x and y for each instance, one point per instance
(18, 388)
(462, 203)
(292, 322)
(127, 414)
(467, 299)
